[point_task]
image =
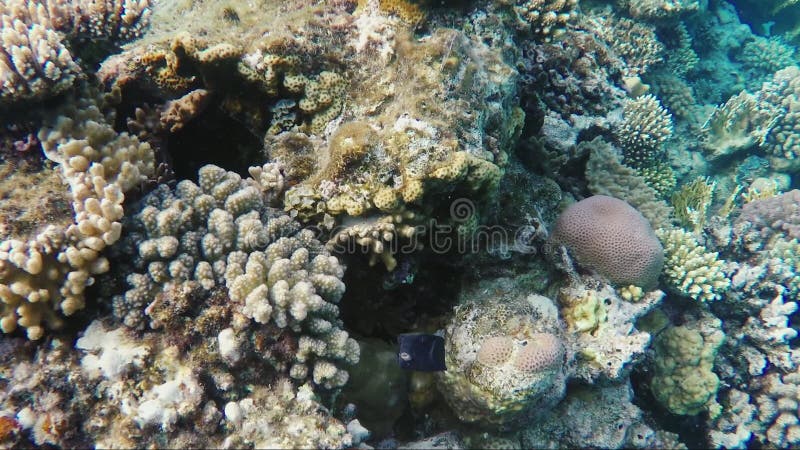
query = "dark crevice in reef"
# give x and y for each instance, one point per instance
(213, 138)
(375, 305)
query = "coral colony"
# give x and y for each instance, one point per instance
(399, 224)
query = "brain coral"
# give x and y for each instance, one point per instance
(611, 237)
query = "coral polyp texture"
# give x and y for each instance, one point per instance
(610, 236)
(44, 275)
(35, 62)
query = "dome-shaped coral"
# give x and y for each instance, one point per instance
(611, 237)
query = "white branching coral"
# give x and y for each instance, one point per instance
(645, 127)
(219, 234)
(49, 272)
(689, 268)
(34, 62)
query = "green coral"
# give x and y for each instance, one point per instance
(684, 381)
(692, 201)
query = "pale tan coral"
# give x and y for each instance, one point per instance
(740, 123)
(51, 272)
(690, 268)
(634, 42)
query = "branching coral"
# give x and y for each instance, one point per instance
(690, 269)
(645, 127)
(218, 233)
(51, 270)
(608, 176)
(634, 42)
(741, 122)
(34, 62)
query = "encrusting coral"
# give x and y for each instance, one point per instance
(505, 360)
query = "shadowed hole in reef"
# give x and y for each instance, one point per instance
(369, 309)
(213, 138)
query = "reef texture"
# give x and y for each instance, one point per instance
(216, 218)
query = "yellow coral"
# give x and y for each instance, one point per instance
(582, 314)
(386, 199)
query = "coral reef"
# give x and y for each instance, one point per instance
(595, 207)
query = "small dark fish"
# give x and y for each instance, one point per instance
(421, 352)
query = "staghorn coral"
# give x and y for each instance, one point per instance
(49, 270)
(506, 359)
(690, 269)
(219, 233)
(611, 237)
